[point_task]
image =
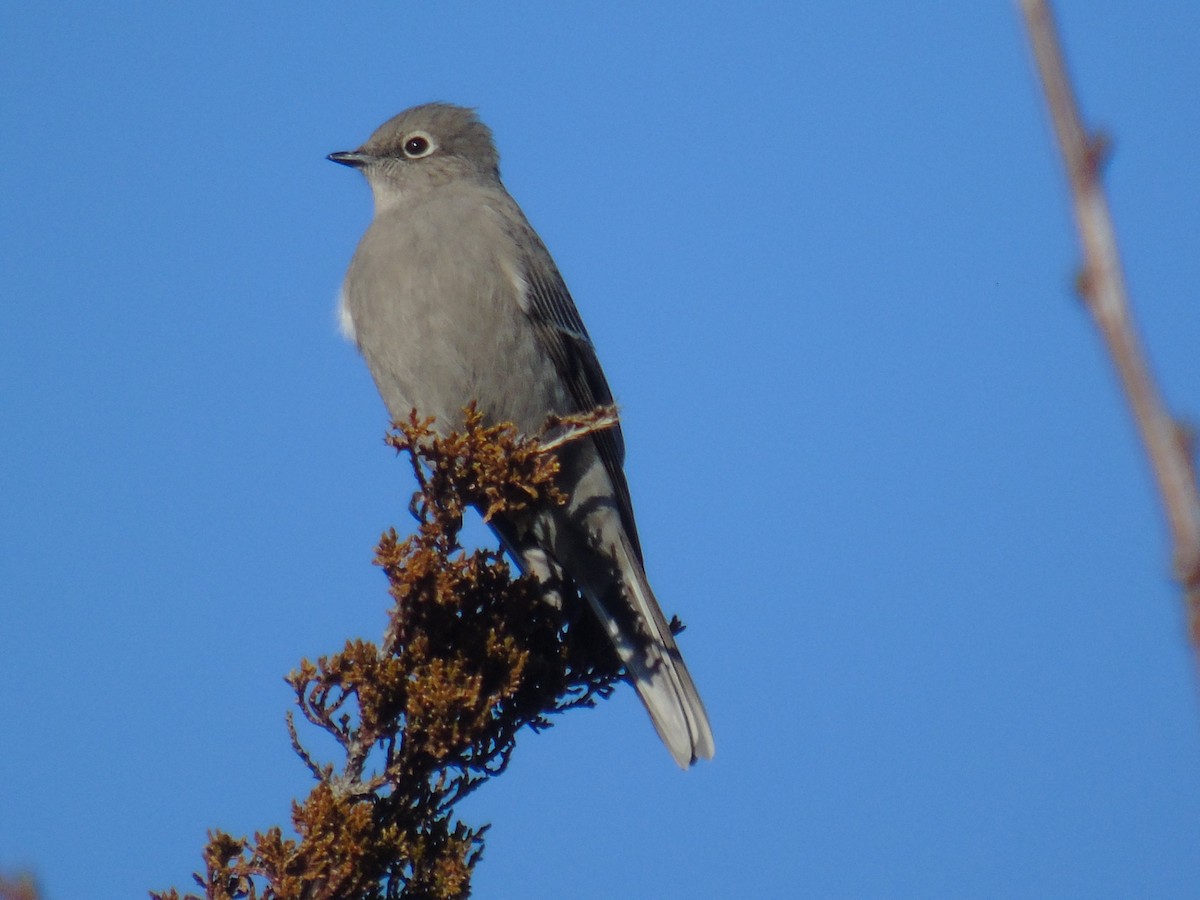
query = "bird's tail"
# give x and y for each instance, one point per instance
(650, 655)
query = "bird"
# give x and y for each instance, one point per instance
(452, 298)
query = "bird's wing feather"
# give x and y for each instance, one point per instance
(560, 328)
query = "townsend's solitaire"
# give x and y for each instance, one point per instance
(452, 297)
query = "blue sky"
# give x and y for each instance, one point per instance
(879, 461)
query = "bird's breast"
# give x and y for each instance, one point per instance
(433, 294)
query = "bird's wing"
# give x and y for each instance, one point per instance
(549, 306)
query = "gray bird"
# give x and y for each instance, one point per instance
(451, 296)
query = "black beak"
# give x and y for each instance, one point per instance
(353, 159)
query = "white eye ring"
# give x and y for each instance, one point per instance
(418, 144)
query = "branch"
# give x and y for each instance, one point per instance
(1102, 284)
(470, 658)
(564, 429)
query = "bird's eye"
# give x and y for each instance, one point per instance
(418, 145)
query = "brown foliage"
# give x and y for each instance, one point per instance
(470, 657)
(20, 887)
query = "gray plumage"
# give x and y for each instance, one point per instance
(452, 297)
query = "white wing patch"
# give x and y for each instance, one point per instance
(517, 279)
(344, 321)
(510, 263)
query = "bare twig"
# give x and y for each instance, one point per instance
(298, 747)
(571, 428)
(1102, 285)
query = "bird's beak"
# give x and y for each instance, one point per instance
(352, 158)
